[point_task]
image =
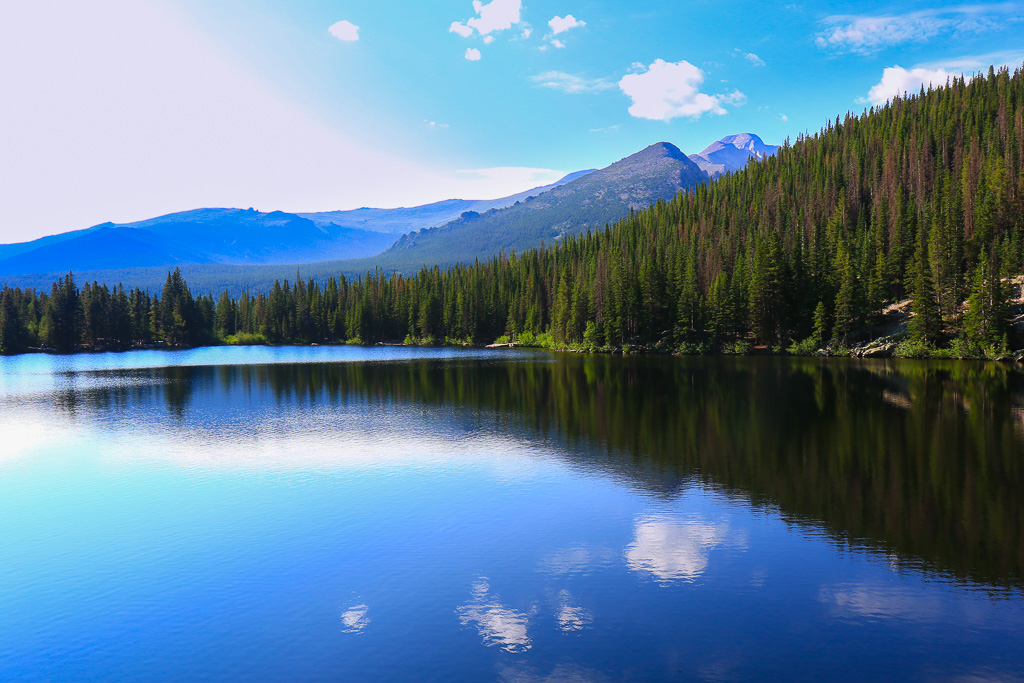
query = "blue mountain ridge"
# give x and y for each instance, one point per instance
(228, 236)
(232, 248)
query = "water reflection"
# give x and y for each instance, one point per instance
(571, 617)
(578, 559)
(673, 549)
(919, 461)
(496, 623)
(355, 619)
(861, 601)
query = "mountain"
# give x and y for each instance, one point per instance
(468, 230)
(224, 236)
(238, 237)
(658, 172)
(732, 153)
(403, 220)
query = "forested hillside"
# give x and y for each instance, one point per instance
(658, 172)
(922, 199)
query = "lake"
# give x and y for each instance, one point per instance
(343, 513)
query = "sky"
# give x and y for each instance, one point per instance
(120, 110)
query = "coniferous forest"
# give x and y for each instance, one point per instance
(917, 205)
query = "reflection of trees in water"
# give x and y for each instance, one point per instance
(121, 391)
(178, 385)
(918, 459)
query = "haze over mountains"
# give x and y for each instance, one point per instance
(237, 237)
(231, 248)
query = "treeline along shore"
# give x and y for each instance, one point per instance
(902, 223)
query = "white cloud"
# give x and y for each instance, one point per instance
(344, 30)
(461, 29)
(496, 15)
(783, 117)
(488, 40)
(750, 57)
(669, 90)
(472, 54)
(557, 43)
(897, 80)
(868, 34)
(435, 124)
(561, 24)
(497, 624)
(527, 32)
(559, 80)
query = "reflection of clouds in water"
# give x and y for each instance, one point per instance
(571, 617)
(355, 619)
(577, 559)
(496, 623)
(562, 673)
(880, 602)
(673, 549)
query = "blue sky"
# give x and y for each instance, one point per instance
(125, 109)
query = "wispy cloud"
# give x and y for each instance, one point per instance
(513, 176)
(570, 83)
(868, 34)
(668, 90)
(435, 124)
(344, 30)
(749, 56)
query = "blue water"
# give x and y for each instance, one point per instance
(209, 515)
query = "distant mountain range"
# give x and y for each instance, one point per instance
(401, 221)
(237, 237)
(732, 153)
(231, 248)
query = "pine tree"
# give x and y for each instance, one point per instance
(987, 307)
(925, 325)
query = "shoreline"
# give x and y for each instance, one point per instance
(882, 348)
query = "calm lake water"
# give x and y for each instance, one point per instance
(335, 513)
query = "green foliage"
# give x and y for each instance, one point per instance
(245, 339)
(915, 348)
(807, 347)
